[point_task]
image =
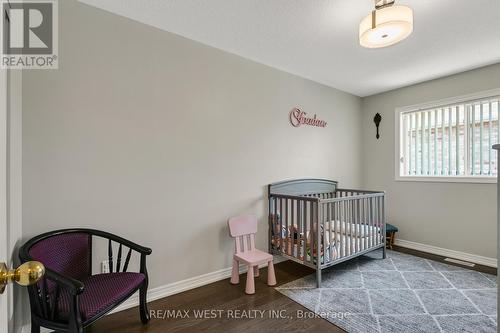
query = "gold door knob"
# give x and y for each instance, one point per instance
(27, 274)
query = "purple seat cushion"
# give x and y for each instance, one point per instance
(101, 291)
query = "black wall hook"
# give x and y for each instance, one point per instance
(377, 120)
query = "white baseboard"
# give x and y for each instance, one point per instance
(184, 285)
(486, 261)
(173, 288)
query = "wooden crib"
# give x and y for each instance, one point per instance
(311, 216)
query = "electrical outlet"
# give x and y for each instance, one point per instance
(105, 267)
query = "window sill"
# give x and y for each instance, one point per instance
(431, 179)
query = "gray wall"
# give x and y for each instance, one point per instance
(454, 216)
(161, 139)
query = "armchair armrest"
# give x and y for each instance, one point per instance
(134, 246)
(75, 287)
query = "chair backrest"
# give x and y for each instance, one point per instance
(243, 230)
(68, 254)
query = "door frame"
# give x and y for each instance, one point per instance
(5, 299)
(11, 302)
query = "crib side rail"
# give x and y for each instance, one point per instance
(353, 225)
(345, 192)
(293, 222)
(352, 195)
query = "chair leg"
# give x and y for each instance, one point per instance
(271, 277)
(250, 287)
(256, 272)
(235, 274)
(35, 328)
(143, 305)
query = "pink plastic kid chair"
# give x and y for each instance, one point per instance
(243, 230)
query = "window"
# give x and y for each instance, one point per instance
(449, 140)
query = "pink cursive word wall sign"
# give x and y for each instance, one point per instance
(298, 118)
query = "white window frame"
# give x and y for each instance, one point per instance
(431, 105)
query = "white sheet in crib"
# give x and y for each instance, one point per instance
(342, 245)
(352, 229)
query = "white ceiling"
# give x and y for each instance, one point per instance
(318, 39)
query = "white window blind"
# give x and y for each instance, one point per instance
(452, 140)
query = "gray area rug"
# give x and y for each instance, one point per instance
(402, 293)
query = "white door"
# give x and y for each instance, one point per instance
(4, 241)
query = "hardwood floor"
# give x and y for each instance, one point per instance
(479, 268)
(228, 299)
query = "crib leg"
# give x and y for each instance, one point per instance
(256, 272)
(235, 275)
(384, 254)
(250, 287)
(318, 278)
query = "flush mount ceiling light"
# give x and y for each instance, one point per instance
(387, 25)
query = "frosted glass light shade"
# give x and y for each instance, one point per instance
(386, 26)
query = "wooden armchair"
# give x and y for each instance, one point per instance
(69, 298)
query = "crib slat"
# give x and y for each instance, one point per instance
(281, 226)
(293, 229)
(323, 222)
(338, 224)
(304, 230)
(378, 231)
(334, 234)
(365, 220)
(298, 213)
(360, 224)
(370, 216)
(287, 230)
(335, 231)
(329, 219)
(377, 221)
(367, 217)
(363, 223)
(347, 228)
(311, 232)
(352, 221)
(352, 237)
(356, 226)
(342, 226)
(374, 216)
(348, 225)
(275, 222)
(380, 219)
